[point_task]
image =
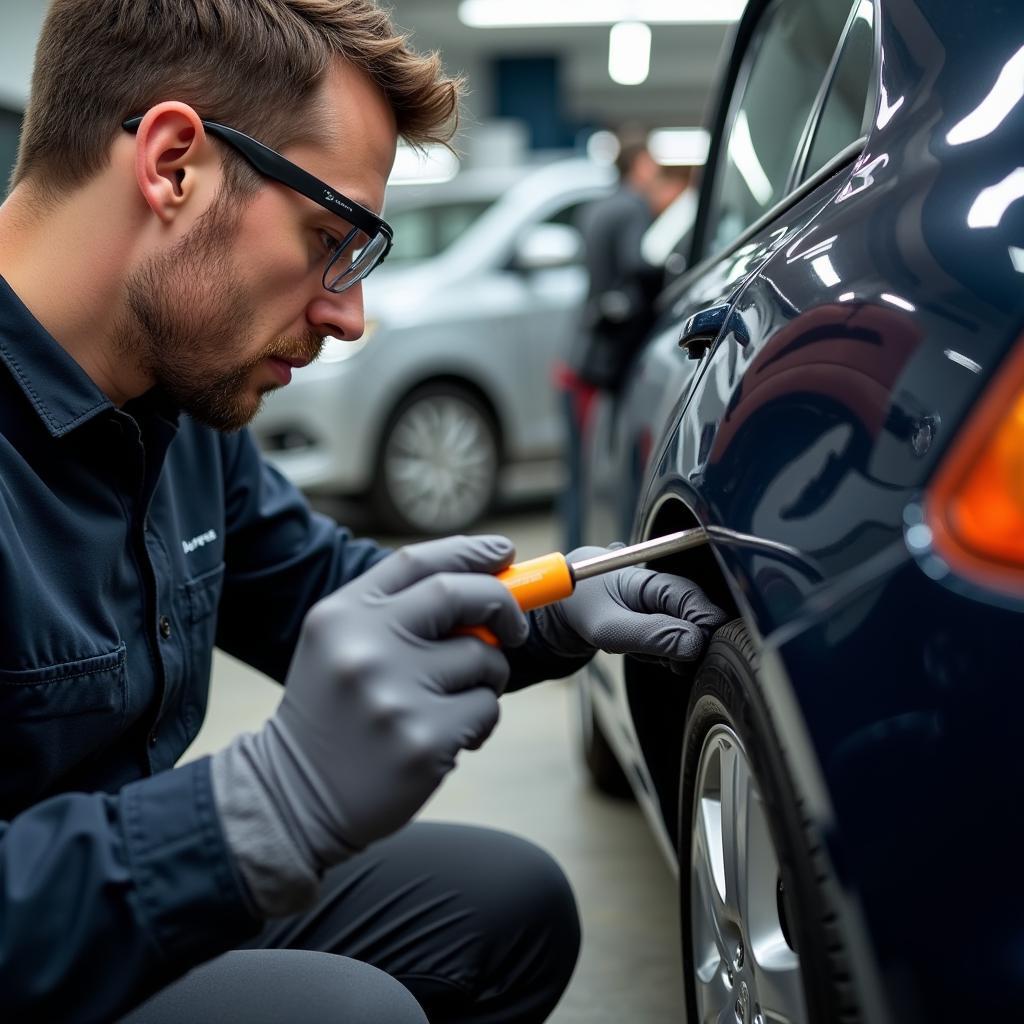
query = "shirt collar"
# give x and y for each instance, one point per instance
(60, 391)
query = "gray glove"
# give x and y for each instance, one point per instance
(654, 615)
(379, 700)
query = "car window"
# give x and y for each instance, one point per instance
(425, 231)
(568, 215)
(842, 116)
(786, 65)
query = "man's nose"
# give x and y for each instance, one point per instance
(338, 315)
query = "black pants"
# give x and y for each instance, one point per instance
(479, 926)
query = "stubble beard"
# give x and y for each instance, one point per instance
(187, 325)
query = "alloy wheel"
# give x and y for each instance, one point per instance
(745, 969)
(440, 463)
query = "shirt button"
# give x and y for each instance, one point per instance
(152, 738)
(165, 627)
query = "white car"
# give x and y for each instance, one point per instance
(448, 399)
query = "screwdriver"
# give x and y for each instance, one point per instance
(549, 578)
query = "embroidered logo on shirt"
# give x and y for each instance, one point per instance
(188, 546)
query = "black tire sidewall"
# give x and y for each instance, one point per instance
(726, 691)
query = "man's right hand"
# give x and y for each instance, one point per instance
(380, 698)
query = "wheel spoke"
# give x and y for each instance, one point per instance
(779, 986)
(736, 784)
(714, 1002)
(710, 917)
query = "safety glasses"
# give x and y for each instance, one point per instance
(366, 239)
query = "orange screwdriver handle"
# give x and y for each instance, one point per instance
(535, 582)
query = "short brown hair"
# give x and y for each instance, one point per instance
(251, 64)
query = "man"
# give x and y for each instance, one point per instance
(620, 293)
(161, 270)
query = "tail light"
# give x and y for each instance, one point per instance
(975, 504)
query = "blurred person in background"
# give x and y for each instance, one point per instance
(197, 198)
(621, 285)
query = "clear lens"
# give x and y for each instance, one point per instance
(357, 255)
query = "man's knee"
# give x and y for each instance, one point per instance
(538, 892)
(268, 986)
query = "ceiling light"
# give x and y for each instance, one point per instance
(679, 147)
(629, 52)
(823, 267)
(896, 300)
(991, 203)
(534, 13)
(995, 107)
(744, 158)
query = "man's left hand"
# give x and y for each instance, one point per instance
(654, 615)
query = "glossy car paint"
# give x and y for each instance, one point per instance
(815, 421)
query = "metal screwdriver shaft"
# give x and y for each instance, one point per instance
(645, 551)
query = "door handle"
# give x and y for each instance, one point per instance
(701, 329)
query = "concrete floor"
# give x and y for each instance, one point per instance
(528, 779)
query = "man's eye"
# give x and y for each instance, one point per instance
(328, 241)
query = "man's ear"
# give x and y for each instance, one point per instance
(172, 155)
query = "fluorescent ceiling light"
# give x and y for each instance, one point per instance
(629, 52)
(961, 360)
(534, 13)
(991, 203)
(744, 157)
(679, 147)
(826, 272)
(428, 166)
(994, 108)
(896, 300)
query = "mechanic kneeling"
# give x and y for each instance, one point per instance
(160, 272)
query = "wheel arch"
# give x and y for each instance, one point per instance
(658, 698)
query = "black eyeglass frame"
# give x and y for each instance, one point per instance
(276, 167)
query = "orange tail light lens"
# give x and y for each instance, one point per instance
(975, 505)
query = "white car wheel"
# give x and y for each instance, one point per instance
(439, 462)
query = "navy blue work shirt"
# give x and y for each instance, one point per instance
(132, 540)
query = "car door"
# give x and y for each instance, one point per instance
(757, 202)
(792, 425)
(750, 208)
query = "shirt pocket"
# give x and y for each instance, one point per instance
(55, 716)
(202, 599)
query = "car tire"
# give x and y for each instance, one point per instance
(439, 456)
(760, 952)
(603, 768)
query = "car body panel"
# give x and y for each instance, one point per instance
(855, 349)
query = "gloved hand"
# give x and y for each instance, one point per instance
(654, 615)
(379, 700)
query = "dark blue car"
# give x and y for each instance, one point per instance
(834, 388)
